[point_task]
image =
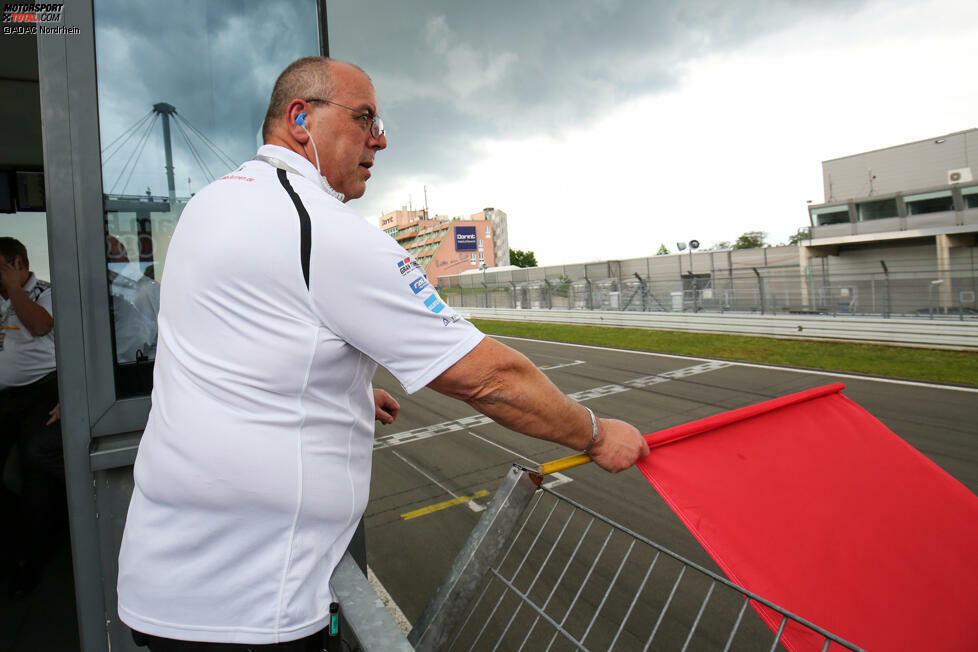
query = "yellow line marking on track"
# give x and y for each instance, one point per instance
(444, 505)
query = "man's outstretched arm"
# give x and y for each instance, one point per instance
(505, 386)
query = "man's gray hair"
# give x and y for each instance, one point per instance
(304, 78)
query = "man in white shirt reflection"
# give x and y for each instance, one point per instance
(135, 304)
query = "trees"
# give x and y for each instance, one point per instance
(522, 258)
(796, 238)
(663, 250)
(751, 240)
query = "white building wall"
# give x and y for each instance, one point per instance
(922, 164)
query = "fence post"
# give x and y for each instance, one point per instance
(468, 571)
(760, 287)
(886, 275)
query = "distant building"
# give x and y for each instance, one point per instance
(896, 234)
(500, 234)
(911, 201)
(445, 245)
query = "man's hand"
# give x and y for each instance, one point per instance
(385, 407)
(55, 415)
(9, 276)
(619, 445)
(35, 319)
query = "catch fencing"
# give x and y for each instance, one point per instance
(763, 281)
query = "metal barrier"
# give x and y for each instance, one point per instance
(773, 280)
(934, 334)
(371, 626)
(570, 578)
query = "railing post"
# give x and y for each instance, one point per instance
(886, 274)
(468, 571)
(372, 626)
(760, 287)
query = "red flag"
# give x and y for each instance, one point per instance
(810, 502)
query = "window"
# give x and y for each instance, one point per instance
(830, 215)
(482, 256)
(970, 196)
(212, 113)
(488, 230)
(472, 258)
(876, 210)
(481, 246)
(929, 202)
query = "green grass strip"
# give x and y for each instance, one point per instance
(956, 367)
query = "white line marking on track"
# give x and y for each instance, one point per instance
(754, 365)
(559, 366)
(471, 504)
(417, 434)
(558, 478)
(385, 597)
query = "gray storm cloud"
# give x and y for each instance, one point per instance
(451, 73)
(447, 73)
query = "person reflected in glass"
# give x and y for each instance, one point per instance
(135, 304)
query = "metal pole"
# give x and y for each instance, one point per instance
(468, 571)
(760, 287)
(371, 624)
(886, 273)
(166, 110)
(484, 284)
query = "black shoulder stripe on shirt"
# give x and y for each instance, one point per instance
(305, 225)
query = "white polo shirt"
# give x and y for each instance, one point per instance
(254, 467)
(24, 358)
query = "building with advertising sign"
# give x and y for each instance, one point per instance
(444, 246)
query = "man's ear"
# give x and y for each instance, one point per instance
(297, 115)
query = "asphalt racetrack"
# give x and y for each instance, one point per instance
(437, 466)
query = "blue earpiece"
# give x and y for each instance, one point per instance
(301, 119)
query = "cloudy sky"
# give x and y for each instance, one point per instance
(606, 128)
(602, 127)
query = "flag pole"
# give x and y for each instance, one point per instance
(563, 463)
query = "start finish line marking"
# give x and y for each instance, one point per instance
(426, 432)
(443, 505)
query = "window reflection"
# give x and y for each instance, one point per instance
(970, 197)
(182, 90)
(876, 210)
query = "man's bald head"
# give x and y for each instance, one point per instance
(303, 78)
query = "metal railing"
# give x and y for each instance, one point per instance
(934, 334)
(541, 571)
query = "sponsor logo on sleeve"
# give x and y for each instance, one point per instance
(448, 321)
(434, 304)
(419, 284)
(407, 265)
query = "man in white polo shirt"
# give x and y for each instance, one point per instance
(278, 301)
(28, 394)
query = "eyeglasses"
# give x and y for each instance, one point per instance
(373, 121)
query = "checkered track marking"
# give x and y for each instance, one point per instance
(425, 432)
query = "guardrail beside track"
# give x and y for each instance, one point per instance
(944, 333)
